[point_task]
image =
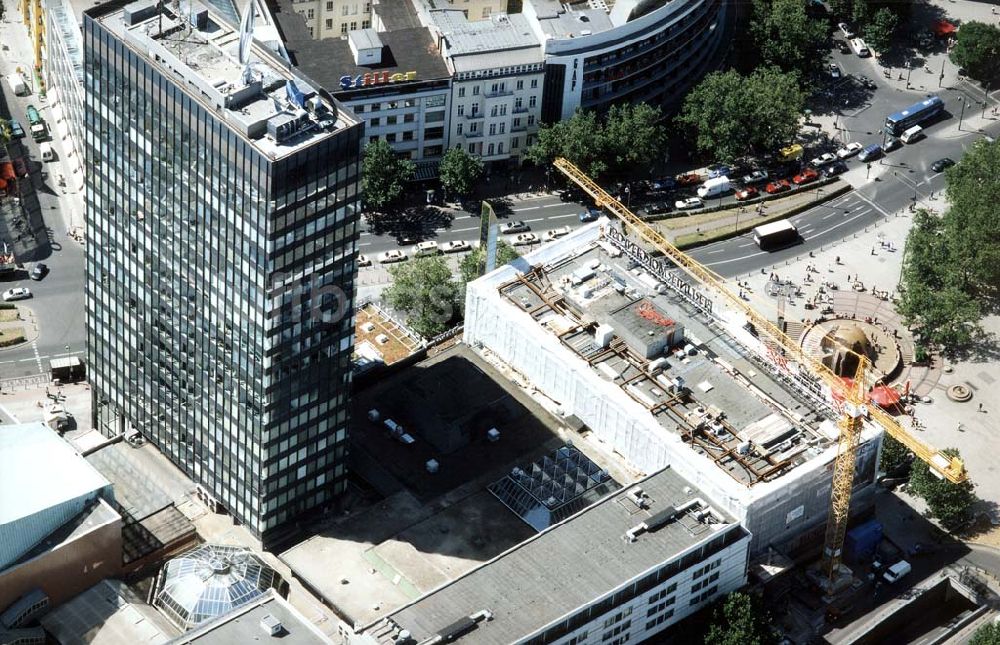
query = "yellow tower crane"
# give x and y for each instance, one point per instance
(855, 409)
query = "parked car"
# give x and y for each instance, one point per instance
(834, 169)
(364, 261)
(455, 246)
(844, 29)
(891, 143)
(747, 193)
(39, 271)
(779, 186)
(427, 248)
(942, 164)
(719, 170)
(687, 204)
(556, 233)
(865, 82)
(805, 177)
(590, 215)
(407, 239)
(17, 293)
(756, 177)
(658, 207)
(834, 70)
(874, 151)
(515, 226)
(689, 179)
(850, 150)
(823, 159)
(523, 239)
(16, 129)
(392, 255)
(662, 183)
(843, 47)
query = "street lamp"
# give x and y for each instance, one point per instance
(909, 69)
(941, 77)
(961, 114)
(986, 98)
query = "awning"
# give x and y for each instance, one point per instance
(885, 396)
(943, 28)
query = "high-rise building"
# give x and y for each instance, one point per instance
(222, 197)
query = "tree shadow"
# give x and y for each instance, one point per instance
(410, 224)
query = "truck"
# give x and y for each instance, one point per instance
(897, 571)
(18, 85)
(35, 124)
(775, 235)
(714, 187)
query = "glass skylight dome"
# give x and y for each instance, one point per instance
(210, 581)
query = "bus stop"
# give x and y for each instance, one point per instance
(69, 369)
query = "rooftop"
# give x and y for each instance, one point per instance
(696, 380)
(253, 621)
(38, 470)
(277, 111)
(499, 41)
(109, 613)
(547, 577)
(569, 19)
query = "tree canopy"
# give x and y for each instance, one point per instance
(629, 138)
(879, 30)
(786, 36)
(741, 619)
(424, 290)
(470, 265)
(895, 456)
(383, 175)
(729, 116)
(950, 503)
(978, 50)
(988, 634)
(459, 171)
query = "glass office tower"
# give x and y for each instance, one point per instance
(222, 226)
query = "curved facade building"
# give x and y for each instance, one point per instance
(639, 51)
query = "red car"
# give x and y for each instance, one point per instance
(805, 177)
(689, 179)
(779, 186)
(747, 193)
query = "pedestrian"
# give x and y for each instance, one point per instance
(980, 407)
(873, 250)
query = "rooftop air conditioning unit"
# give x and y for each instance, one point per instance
(271, 625)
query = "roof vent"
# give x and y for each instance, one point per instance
(271, 625)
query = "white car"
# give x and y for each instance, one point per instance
(364, 261)
(392, 255)
(514, 227)
(455, 246)
(850, 150)
(17, 293)
(844, 29)
(823, 159)
(427, 248)
(556, 233)
(687, 204)
(524, 239)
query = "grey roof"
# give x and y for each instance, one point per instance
(500, 32)
(109, 613)
(548, 577)
(396, 14)
(38, 470)
(568, 21)
(243, 625)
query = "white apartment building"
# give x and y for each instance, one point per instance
(497, 80)
(474, 9)
(334, 18)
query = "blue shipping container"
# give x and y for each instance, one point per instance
(862, 540)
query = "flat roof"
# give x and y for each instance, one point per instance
(246, 625)
(722, 411)
(500, 33)
(98, 514)
(277, 111)
(38, 470)
(109, 613)
(396, 14)
(569, 19)
(554, 573)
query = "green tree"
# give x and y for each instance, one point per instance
(459, 171)
(578, 139)
(860, 11)
(978, 50)
(785, 34)
(879, 31)
(894, 455)
(972, 222)
(634, 136)
(729, 116)
(383, 175)
(424, 290)
(950, 503)
(988, 634)
(741, 619)
(470, 265)
(931, 300)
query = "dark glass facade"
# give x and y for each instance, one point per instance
(219, 288)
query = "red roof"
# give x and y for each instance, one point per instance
(944, 28)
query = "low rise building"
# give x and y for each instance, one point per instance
(270, 616)
(623, 570)
(644, 359)
(334, 18)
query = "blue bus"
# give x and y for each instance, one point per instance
(896, 124)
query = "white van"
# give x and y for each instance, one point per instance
(48, 154)
(18, 85)
(713, 187)
(860, 48)
(897, 571)
(912, 134)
